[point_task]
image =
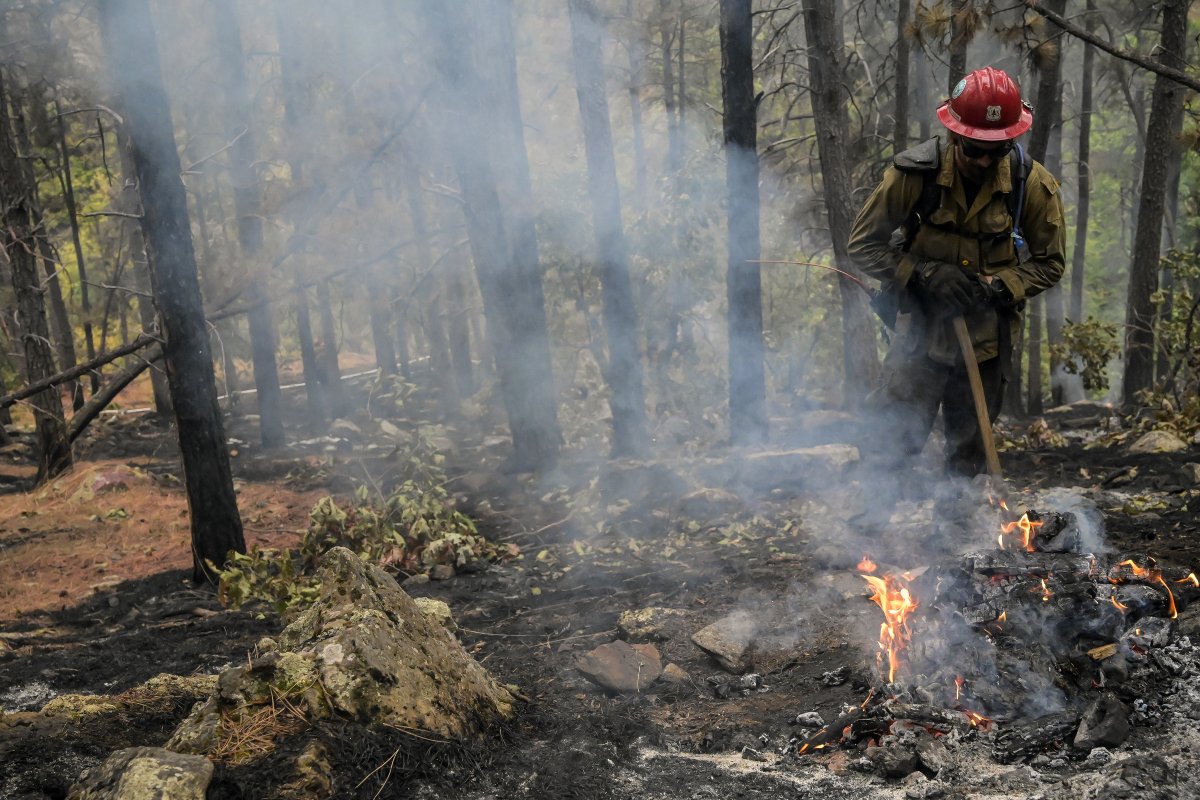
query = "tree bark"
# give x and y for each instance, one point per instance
(494, 173)
(637, 65)
(67, 375)
(19, 239)
(129, 41)
(1084, 180)
(1036, 318)
(109, 391)
(327, 358)
(960, 38)
(129, 202)
(823, 31)
(430, 291)
(1047, 128)
(1162, 136)
(89, 339)
(624, 368)
(666, 31)
(297, 104)
(900, 114)
(921, 92)
(246, 202)
(743, 281)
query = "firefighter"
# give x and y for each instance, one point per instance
(969, 227)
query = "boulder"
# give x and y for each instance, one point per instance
(1158, 442)
(729, 640)
(621, 667)
(1104, 724)
(145, 773)
(363, 652)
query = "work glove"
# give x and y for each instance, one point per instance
(997, 294)
(948, 289)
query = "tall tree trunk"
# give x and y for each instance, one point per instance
(246, 202)
(1162, 137)
(900, 114)
(331, 370)
(1014, 399)
(921, 92)
(666, 31)
(961, 33)
(493, 170)
(743, 281)
(60, 320)
(823, 30)
(297, 109)
(89, 339)
(1045, 146)
(624, 368)
(430, 291)
(458, 306)
(130, 45)
(130, 202)
(637, 67)
(681, 70)
(1036, 319)
(19, 240)
(1083, 203)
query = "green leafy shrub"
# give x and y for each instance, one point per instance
(1086, 349)
(413, 530)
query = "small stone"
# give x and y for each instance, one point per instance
(1057, 763)
(621, 667)
(441, 572)
(1098, 757)
(1191, 471)
(750, 754)
(415, 580)
(648, 624)
(728, 640)
(1158, 442)
(675, 675)
(1105, 723)
(810, 719)
(892, 762)
(750, 682)
(836, 677)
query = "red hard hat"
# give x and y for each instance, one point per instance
(986, 105)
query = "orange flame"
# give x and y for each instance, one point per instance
(1003, 617)
(1046, 593)
(1191, 578)
(897, 603)
(866, 565)
(1028, 529)
(1120, 607)
(1154, 575)
(958, 684)
(978, 720)
(1170, 596)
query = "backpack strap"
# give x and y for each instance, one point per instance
(923, 159)
(1021, 163)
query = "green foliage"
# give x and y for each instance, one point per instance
(1086, 349)
(411, 531)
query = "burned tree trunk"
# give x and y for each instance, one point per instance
(489, 150)
(130, 46)
(624, 367)
(962, 30)
(249, 220)
(743, 281)
(1035, 405)
(1162, 136)
(330, 369)
(1084, 191)
(20, 246)
(296, 110)
(823, 30)
(900, 116)
(636, 46)
(666, 30)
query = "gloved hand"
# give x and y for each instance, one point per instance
(997, 294)
(948, 289)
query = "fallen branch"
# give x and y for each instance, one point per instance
(143, 340)
(1112, 50)
(101, 399)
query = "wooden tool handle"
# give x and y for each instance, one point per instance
(981, 411)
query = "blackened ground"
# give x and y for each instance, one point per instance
(528, 621)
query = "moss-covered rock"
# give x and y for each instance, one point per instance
(363, 652)
(145, 773)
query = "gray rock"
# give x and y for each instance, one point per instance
(1191, 472)
(810, 719)
(363, 651)
(729, 641)
(892, 762)
(1158, 442)
(750, 754)
(1098, 757)
(1104, 724)
(675, 675)
(145, 773)
(621, 667)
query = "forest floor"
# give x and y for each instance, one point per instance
(95, 599)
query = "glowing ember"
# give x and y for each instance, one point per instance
(1003, 617)
(896, 601)
(866, 565)
(958, 684)
(1119, 606)
(1191, 578)
(978, 720)
(1046, 593)
(1027, 529)
(1170, 596)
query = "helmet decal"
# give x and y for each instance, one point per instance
(993, 113)
(958, 89)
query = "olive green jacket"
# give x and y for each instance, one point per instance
(876, 247)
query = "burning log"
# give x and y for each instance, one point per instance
(831, 734)
(1025, 739)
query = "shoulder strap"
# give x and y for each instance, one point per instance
(1020, 162)
(923, 159)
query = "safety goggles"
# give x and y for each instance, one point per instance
(971, 149)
